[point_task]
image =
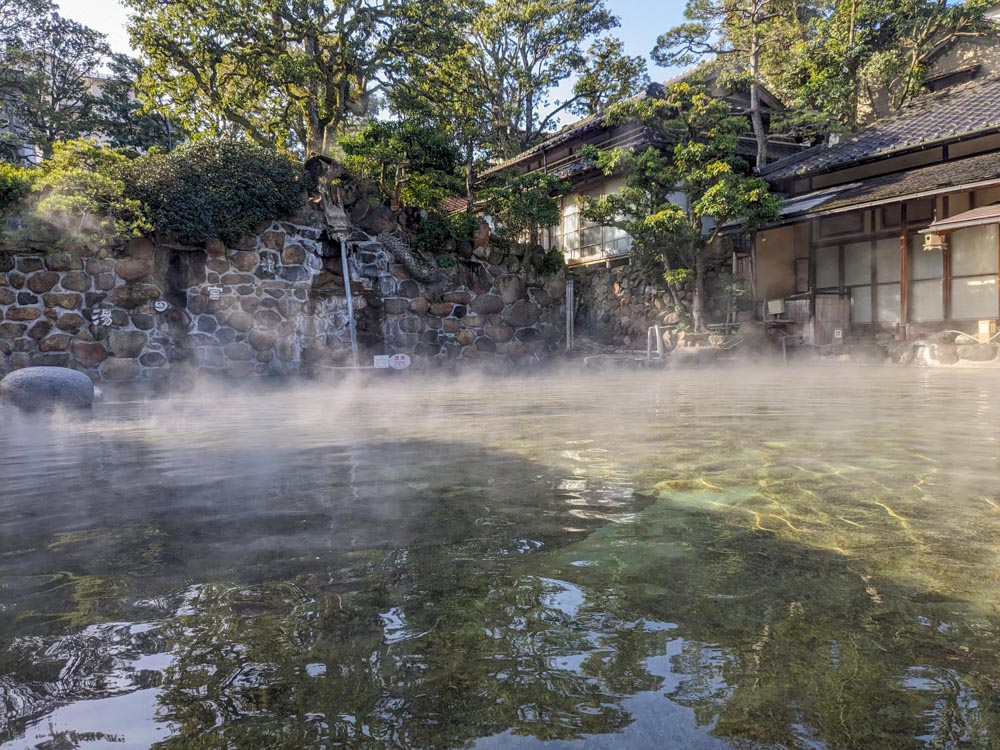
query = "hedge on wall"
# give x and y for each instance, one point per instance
(215, 189)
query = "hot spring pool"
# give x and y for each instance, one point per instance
(750, 559)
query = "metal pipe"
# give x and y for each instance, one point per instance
(350, 300)
(570, 313)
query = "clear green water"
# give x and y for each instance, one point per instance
(786, 558)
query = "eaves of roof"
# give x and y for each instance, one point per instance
(953, 114)
(949, 177)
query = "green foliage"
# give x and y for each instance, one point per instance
(608, 75)
(463, 226)
(436, 231)
(15, 183)
(215, 189)
(413, 165)
(123, 120)
(44, 62)
(551, 261)
(677, 276)
(520, 51)
(287, 73)
(432, 234)
(673, 238)
(521, 205)
(81, 195)
(445, 261)
(834, 60)
(493, 94)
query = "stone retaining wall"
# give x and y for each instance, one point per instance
(270, 304)
(617, 306)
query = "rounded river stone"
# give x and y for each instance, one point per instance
(34, 388)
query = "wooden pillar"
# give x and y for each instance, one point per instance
(872, 271)
(812, 267)
(904, 270)
(946, 280)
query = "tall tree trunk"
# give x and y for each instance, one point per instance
(470, 177)
(756, 117)
(855, 103)
(698, 303)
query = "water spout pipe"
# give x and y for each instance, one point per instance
(350, 301)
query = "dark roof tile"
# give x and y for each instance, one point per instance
(958, 111)
(939, 177)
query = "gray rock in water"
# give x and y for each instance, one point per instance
(35, 388)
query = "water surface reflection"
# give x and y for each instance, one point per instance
(745, 559)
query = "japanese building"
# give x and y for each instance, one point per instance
(583, 242)
(895, 228)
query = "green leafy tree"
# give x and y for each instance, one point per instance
(46, 80)
(448, 98)
(18, 23)
(836, 63)
(122, 119)
(81, 195)
(15, 182)
(738, 34)
(493, 94)
(677, 233)
(412, 164)
(522, 205)
(285, 72)
(868, 58)
(520, 51)
(608, 76)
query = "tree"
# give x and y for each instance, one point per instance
(738, 33)
(491, 95)
(520, 50)
(81, 195)
(412, 164)
(867, 53)
(123, 120)
(214, 188)
(678, 236)
(285, 72)
(608, 76)
(56, 102)
(522, 205)
(45, 61)
(836, 63)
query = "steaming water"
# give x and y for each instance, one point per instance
(788, 558)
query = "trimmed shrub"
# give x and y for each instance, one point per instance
(215, 189)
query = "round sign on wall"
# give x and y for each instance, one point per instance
(399, 361)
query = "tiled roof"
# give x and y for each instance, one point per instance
(453, 204)
(963, 110)
(936, 178)
(974, 218)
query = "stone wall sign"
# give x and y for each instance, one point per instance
(399, 361)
